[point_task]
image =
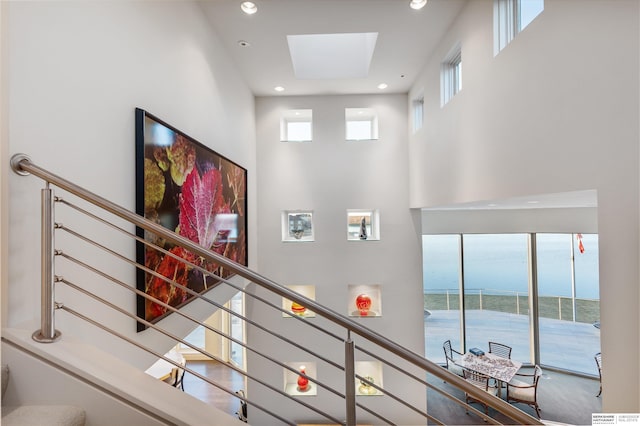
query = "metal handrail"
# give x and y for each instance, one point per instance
(22, 165)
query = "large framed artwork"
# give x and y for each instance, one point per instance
(192, 190)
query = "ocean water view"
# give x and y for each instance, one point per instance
(498, 264)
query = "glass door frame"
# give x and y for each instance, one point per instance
(533, 296)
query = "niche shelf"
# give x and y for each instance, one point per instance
(365, 301)
(301, 311)
(363, 225)
(372, 371)
(291, 385)
(297, 225)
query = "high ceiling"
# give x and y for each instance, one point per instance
(404, 41)
(258, 43)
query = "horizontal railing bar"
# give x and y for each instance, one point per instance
(370, 411)
(416, 378)
(394, 397)
(169, 360)
(177, 311)
(22, 164)
(171, 308)
(177, 339)
(196, 294)
(177, 364)
(199, 268)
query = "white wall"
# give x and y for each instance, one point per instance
(488, 221)
(76, 72)
(555, 111)
(4, 168)
(329, 176)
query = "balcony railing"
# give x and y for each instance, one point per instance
(514, 302)
(354, 338)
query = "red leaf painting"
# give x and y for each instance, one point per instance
(175, 270)
(200, 201)
(193, 191)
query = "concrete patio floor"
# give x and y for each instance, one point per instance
(563, 344)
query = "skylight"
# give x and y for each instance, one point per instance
(331, 56)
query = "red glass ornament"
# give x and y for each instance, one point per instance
(303, 382)
(363, 303)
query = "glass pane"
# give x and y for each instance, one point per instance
(196, 338)
(298, 131)
(587, 298)
(496, 275)
(529, 9)
(441, 266)
(359, 130)
(418, 114)
(457, 77)
(554, 276)
(567, 342)
(237, 330)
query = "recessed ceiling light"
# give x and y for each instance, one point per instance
(382, 86)
(244, 43)
(249, 7)
(278, 89)
(417, 4)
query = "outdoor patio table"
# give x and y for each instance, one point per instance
(501, 369)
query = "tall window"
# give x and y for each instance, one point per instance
(236, 331)
(451, 75)
(510, 17)
(495, 273)
(417, 106)
(568, 297)
(496, 291)
(442, 283)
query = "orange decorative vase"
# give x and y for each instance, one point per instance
(303, 382)
(363, 303)
(297, 308)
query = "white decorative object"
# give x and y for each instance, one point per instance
(297, 225)
(368, 378)
(363, 225)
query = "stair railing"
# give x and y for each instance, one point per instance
(47, 333)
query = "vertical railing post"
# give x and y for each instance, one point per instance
(448, 304)
(559, 308)
(350, 380)
(47, 332)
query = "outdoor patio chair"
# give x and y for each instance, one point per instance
(500, 350)
(598, 358)
(450, 356)
(175, 380)
(481, 381)
(526, 390)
